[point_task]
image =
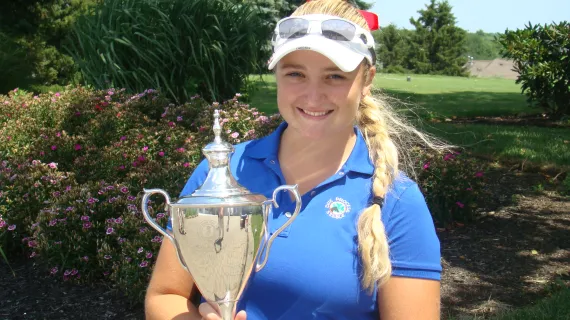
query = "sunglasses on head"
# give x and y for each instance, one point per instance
(332, 28)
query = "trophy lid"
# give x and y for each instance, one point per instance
(220, 189)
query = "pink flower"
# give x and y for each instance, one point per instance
(426, 165)
(54, 147)
(53, 270)
(77, 147)
(12, 227)
(107, 257)
(110, 230)
(235, 135)
(448, 157)
(52, 165)
(2, 223)
(148, 255)
(145, 148)
(87, 225)
(57, 94)
(179, 118)
(42, 153)
(180, 150)
(161, 153)
(140, 250)
(143, 264)
(459, 204)
(58, 134)
(479, 174)
(123, 138)
(262, 119)
(186, 164)
(84, 218)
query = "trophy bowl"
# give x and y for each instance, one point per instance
(221, 230)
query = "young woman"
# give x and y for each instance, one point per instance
(364, 245)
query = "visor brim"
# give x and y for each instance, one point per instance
(344, 57)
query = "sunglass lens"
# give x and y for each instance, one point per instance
(338, 30)
(293, 28)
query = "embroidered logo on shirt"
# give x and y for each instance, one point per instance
(337, 208)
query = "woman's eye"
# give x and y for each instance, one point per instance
(336, 76)
(294, 74)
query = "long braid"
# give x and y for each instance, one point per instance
(373, 244)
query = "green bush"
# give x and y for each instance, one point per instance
(14, 63)
(38, 28)
(182, 48)
(542, 58)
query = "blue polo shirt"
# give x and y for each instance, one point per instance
(313, 270)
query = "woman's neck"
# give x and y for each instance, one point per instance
(308, 162)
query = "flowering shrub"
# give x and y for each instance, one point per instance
(452, 184)
(25, 189)
(74, 164)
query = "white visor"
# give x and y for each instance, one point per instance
(346, 55)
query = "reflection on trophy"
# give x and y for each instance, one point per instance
(220, 231)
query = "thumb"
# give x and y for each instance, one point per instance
(241, 315)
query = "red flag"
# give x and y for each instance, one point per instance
(371, 19)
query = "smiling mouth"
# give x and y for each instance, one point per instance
(315, 114)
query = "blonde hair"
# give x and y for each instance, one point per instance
(389, 139)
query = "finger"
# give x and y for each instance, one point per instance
(208, 312)
(241, 316)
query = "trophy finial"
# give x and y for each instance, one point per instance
(217, 127)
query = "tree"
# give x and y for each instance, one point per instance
(482, 46)
(438, 45)
(542, 58)
(392, 45)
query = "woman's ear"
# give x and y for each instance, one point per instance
(369, 79)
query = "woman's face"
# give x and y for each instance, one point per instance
(315, 97)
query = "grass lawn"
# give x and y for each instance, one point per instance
(451, 97)
(538, 145)
(456, 96)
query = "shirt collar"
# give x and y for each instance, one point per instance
(268, 147)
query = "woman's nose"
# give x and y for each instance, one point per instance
(315, 93)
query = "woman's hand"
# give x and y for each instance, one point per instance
(211, 312)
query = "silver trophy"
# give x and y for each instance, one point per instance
(221, 230)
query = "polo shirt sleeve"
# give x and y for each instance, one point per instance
(413, 242)
(194, 182)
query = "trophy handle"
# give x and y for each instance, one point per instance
(266, 246)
